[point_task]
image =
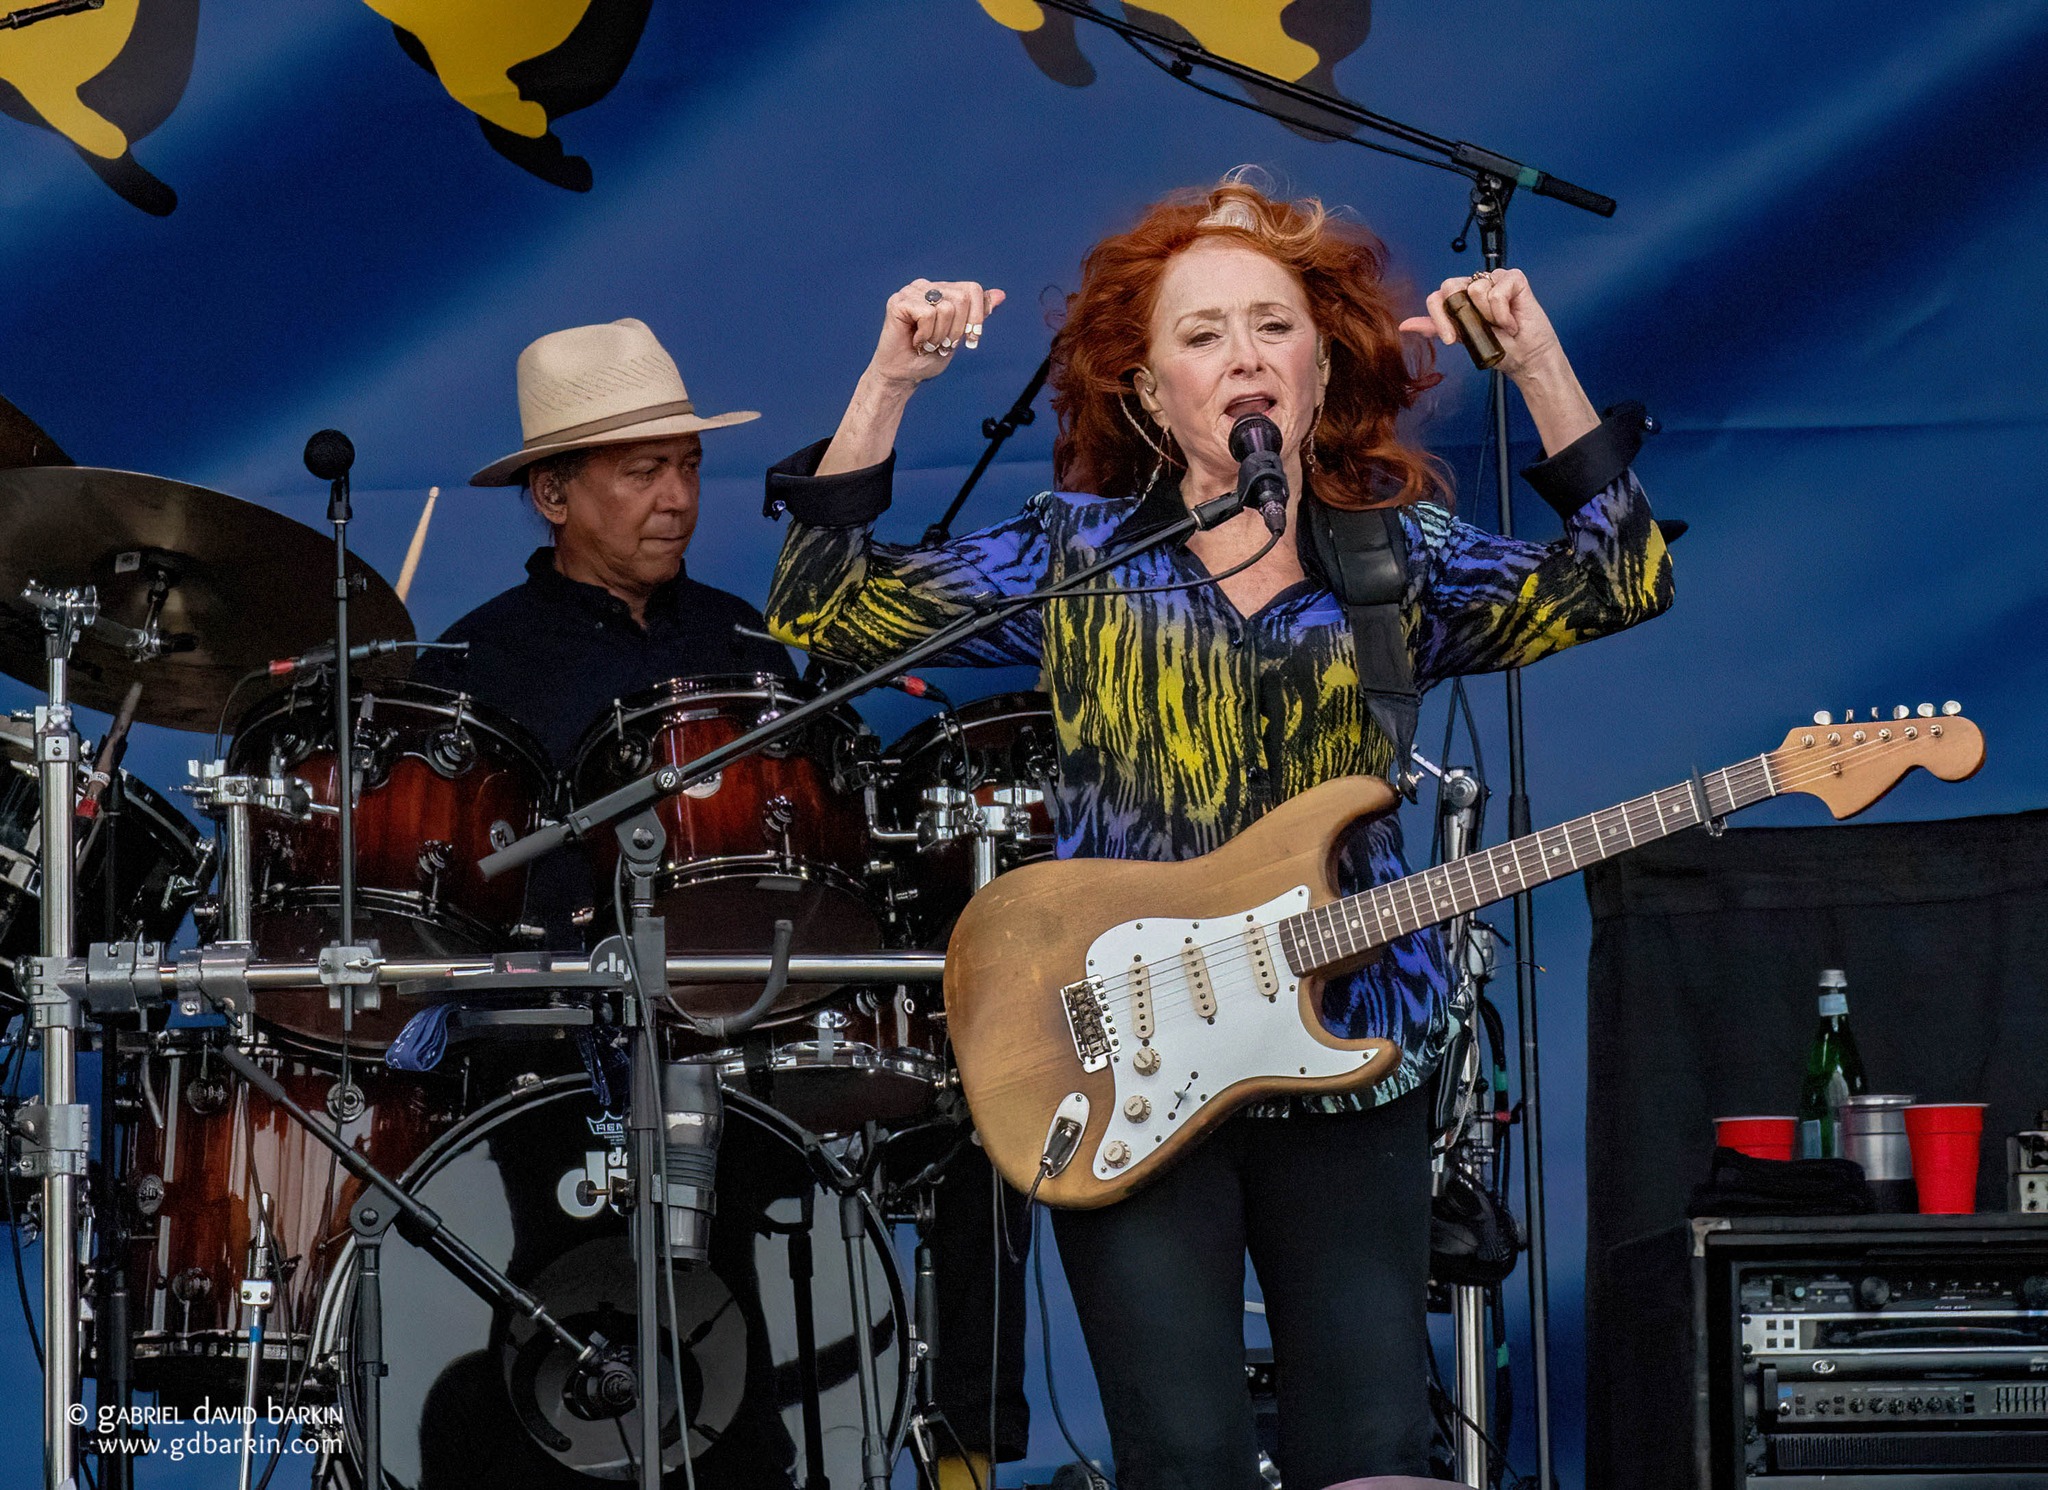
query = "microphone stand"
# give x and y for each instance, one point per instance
(1490, 197)
(995, 431)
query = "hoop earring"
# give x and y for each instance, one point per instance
(1308, 449)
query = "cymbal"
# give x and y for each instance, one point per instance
(22, 443)
(245, 585)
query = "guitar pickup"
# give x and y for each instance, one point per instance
(1090, 1023)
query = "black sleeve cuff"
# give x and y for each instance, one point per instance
(1589, 465)
(850, 499)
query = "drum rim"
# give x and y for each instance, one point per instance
(326, 1342)
(446, 703)
(990, 708)
(701, 688)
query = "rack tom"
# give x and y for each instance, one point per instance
(998, 744)
(445, 780)
(781, 834)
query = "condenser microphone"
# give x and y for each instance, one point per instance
(1261, 478)
(693, 1120)
(329, 454)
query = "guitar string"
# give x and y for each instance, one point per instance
(1163, 973)
(1233, 953)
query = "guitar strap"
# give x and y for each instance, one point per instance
(1364, 556)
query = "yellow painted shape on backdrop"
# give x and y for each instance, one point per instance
(475, 44)
(1246, 31)
(1018, 15)
(50, 62)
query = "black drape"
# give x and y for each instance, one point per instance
(1701, 989)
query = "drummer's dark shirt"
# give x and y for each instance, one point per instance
(553, 653)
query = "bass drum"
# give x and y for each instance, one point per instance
(476, 1399)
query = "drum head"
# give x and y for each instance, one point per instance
(475, 1398)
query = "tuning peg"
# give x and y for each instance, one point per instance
(1951, 707)
(1902, 712)
(1824, 717)
(1848, 716)
(1925, 711)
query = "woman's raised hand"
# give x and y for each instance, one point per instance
(926, 322)
(1503, 297)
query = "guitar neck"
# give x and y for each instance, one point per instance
(1328, 936)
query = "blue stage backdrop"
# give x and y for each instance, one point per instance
(225, 225)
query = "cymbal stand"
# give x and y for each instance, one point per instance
(259, 1291)
(113, 1337)
(55, 1132)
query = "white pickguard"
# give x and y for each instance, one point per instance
(1250, 1033)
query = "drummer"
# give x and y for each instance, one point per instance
(611, 458)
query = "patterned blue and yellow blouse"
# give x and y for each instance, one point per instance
(1181, 721)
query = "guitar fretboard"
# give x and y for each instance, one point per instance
(1333, 934)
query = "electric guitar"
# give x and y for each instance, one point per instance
(1106, 1013)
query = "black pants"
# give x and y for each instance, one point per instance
(1334, 1210)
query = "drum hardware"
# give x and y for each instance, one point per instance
(259, 1290)
(53, 1132)
(1468, 1133)
(952, 813)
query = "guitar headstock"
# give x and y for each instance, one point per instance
(1849, 765)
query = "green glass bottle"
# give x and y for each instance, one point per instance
(1834, 1073)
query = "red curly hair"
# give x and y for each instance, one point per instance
(1107, 331)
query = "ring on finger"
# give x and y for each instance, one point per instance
(934, 297)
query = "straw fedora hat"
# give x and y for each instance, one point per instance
(598, 385)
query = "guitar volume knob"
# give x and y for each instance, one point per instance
(1146, 1061)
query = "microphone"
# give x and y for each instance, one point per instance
(1261, 478)
(329, 454)
(693, 1120)
(284, 667)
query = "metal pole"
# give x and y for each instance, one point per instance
(56, 1021)
(1489, 211)
(237, 907)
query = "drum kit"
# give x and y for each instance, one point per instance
(213, 1232)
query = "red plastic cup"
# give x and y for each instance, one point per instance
(1758, 1137)
(1945, 1137)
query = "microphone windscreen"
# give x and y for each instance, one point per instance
(329, 454)
(1254, 432)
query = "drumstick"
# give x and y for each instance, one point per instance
(419, 541)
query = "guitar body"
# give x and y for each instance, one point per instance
(1047, 1017)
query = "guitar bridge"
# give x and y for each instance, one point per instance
(1091, 1024)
